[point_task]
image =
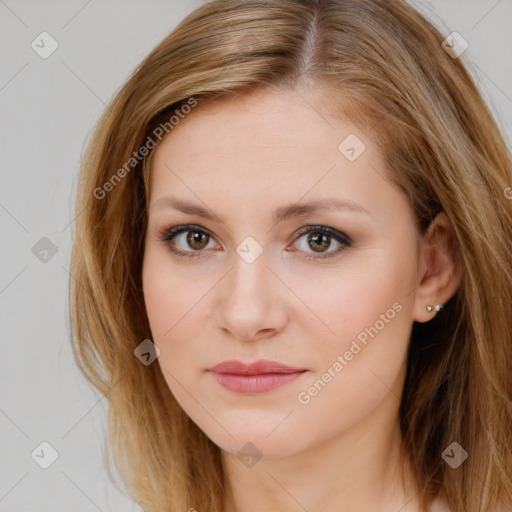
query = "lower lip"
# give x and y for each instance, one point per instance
(255, 383)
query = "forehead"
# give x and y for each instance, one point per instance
(276, 127)
(266, 147)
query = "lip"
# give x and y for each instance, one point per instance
(258, 377)
(259, 367)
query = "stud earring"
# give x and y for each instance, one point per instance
(437, 308)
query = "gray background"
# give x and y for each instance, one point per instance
(48, 108)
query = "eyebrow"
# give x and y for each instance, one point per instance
(280, 215)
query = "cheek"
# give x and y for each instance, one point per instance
(369, 299)
(355, 376)
(173, 300)
(369, 308)
(166, 298)
(169, 293)
(164, 308)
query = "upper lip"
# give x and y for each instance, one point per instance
(258, 367)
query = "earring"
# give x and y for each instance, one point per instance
(437, 308)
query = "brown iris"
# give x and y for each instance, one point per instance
(197, 239)
(316, 238)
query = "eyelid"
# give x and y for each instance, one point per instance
(334, 233)
(167, 232)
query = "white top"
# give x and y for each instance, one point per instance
(440, 505)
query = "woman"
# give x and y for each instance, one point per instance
(293, 266)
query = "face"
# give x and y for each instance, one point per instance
(327, 291)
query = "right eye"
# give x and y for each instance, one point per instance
(187, 236)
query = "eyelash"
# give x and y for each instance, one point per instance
(170, 232)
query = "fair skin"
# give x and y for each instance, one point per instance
(241, 159)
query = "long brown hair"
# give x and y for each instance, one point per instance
(382, 65)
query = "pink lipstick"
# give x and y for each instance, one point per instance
(258, 377)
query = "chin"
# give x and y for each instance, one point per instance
(254, 442)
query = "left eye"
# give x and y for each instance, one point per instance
(319, 239)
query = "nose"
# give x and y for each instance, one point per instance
(252, 303)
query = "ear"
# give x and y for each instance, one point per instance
(441, 268)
